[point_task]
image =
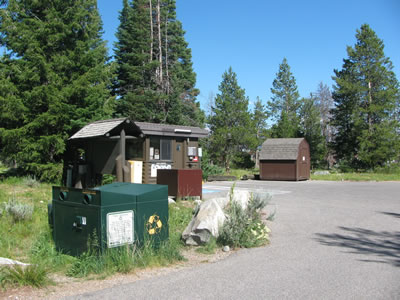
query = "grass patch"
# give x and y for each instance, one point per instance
(17, 275)
(210, 247)
(367, 176)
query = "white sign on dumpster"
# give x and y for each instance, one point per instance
(120, 228)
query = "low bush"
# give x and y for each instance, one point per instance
(244, 227)
(209, 170)
(19, 211)
(30, 181)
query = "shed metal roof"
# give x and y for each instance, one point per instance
(104, 127)
(171, 130)
(280, 149)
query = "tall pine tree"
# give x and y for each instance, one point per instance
(366, 95)
(54, 77)
(230, 121)
(259, 120)
(155, 78)
(311, 128)
(284, 105)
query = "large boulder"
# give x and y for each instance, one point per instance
(210, 216)
(205, 223)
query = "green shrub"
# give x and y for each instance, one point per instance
(45, 172)
(244, 227)
(393, 168)
(108, 178)
(30, 181)
(242, 160)
(19, 211)
(209, 169)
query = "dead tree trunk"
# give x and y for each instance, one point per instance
(151, 30)
(166, 56)
(369, 108)
(160, 68)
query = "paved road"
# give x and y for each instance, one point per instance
(331, 240)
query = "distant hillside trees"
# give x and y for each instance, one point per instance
(155, 81)
(54, 77)
(366, 96)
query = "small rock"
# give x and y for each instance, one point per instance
(7, 261)
(226, 249)
(198, 202)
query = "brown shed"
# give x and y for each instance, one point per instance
(133, 151)
(285, 159)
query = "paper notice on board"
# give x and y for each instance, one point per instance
(120, 230)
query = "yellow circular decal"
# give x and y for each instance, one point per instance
(154, 225)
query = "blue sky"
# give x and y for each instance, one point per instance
(254, 36)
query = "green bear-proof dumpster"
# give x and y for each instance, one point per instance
(112, 215)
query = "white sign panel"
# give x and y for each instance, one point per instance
(120, 228)
(155, 167)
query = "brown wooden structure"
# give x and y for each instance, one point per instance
(181, 182)
(285, 159)
(133, 151)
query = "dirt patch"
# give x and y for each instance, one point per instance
(67, 286)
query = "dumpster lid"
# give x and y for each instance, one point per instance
(130, 189)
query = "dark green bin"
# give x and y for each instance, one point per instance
(116, 214)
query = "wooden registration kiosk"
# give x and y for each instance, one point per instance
(132, 151)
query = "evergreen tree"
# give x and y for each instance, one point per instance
(259, 119)
(284, 105)
(311, 129)
(135, 84)
(230, 121)
(366, 94)
(54, 79)
(155, 78)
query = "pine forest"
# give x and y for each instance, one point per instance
(57, 75)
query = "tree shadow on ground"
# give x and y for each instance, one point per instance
(382, 247)
(396, 215)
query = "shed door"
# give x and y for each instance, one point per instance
(178, 155)
(304, 164)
